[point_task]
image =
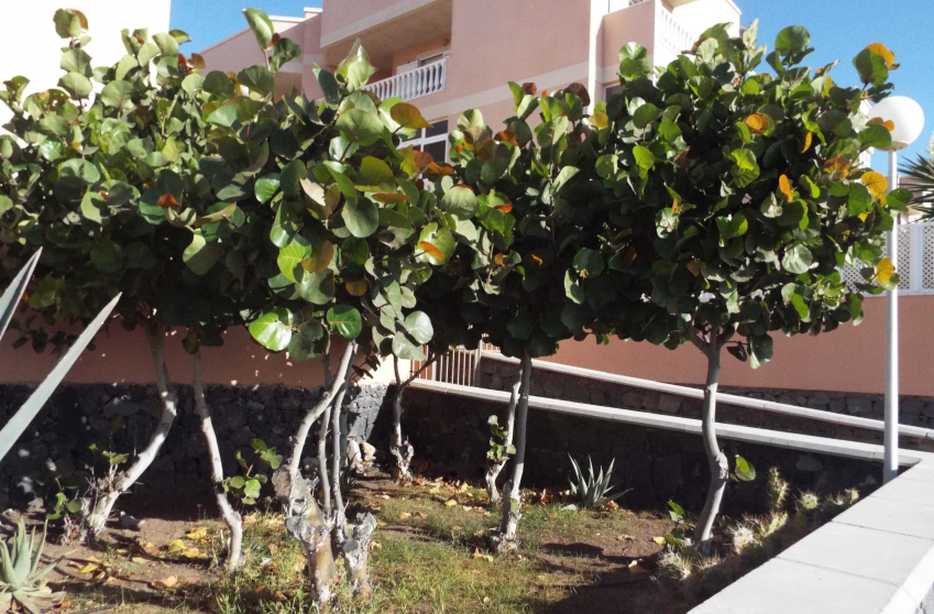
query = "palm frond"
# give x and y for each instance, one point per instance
(920, 172)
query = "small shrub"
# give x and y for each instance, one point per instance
(22, 582)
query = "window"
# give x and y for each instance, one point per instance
(433, 140)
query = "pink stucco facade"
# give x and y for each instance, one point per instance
(484, 44)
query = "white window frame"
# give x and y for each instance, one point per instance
(420, 141)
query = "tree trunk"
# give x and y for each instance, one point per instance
(324, 482)
(716, 459)
(304, 520)
(228, 513)
(356, 550)
(512, 502)
(98, 505)
(496, 467)
(340, 517)
(400, 448)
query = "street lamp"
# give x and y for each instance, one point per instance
(908, 117)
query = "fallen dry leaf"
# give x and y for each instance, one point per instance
(481, 555)
(450, 503)
(197, 534)
(168, 582)
(405, 515)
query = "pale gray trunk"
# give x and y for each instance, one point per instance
(231, 517)
(304, 520)
(98, 506)
(496, 467)
(401, 448)
(324, 482)
(356, 551)
(716, 459)
(340, 517)
(512, 501)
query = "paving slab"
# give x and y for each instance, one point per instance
(891, 516)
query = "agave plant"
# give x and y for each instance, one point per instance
(10, 298)
(22, 581)
(593, 489)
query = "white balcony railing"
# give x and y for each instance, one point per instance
(422, 81)
(915, 264)
(671, 36)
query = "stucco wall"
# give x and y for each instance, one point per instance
(850, 358)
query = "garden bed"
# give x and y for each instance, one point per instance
(430, 554)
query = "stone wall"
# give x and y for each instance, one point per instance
(121, 418)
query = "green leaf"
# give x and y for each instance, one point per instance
(875, 135)
(644, 157)
(117, 94)
(261, 26)
(167, 43)
(69, 23)
(356, 69)
(292, 255)
(461, 201)
(744, 472)
(435, 245)
(346, 320)
(266, 187)
(200, 256)
(798, 259)
(859, 199)
(252, 488)
(645, 115)
(792, 41)
(273, 329)
(418, 324)
(258, 78)
(361, 125)
(76, 84)
(732, 226)
(361, 217)
(225, 115)
(374, 171)
(745, 168)
(760, 350)
(634, 62)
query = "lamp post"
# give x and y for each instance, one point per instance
(908, 118)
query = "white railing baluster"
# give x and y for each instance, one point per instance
(422, 81)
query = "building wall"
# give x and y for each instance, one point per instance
(850, 358)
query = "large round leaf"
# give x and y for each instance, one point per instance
(346, 320)
(361, 217)
(273, 329)
(418, 324)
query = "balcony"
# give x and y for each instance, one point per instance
(422, 81)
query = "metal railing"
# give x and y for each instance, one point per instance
(422, 81)
(459, 366)
(772, 407)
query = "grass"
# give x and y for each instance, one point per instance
(430, 554)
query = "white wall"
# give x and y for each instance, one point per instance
(29, 45)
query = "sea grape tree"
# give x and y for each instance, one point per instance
(91, 170)
(353, 235)
(535, 197)
(739, 196)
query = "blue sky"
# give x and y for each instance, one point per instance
(839, 29)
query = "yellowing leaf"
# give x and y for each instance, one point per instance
(808, 140)
(450, 503)
(166, 582)
(600, 119)
(888, 124)
(405, 515)
(659, 540)
(758, 122)
(167, 201)
(877, 184)
(838, 167)
(537, 259)
(409, 116)
(89, 568)
(499, 259)
(356, 288)
(431, 250)
(197, 534)
(508, 136)
(884, 52)
(784, 186)
(505, 207)
(884, 271)
(390, 197)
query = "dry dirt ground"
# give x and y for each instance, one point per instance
(430, 555)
